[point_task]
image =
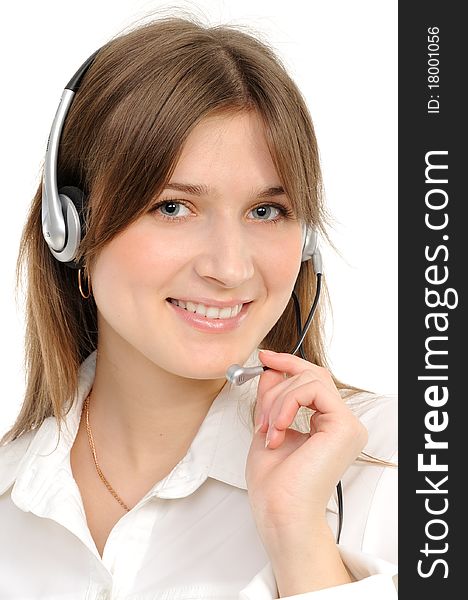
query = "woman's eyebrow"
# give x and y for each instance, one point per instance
(201, 189)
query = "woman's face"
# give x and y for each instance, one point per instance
(220, 245)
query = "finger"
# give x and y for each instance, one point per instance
(269, 388)
(314, 423)
(292, 365)
(314, 395)
(268, 380)
(272, 398)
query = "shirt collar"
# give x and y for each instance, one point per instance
(218, 450)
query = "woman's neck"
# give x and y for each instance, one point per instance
(138, 411)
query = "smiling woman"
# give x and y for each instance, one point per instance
(212, 248)
(190, 158)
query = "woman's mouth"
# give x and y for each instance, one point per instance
(212, 312)
(209, 318)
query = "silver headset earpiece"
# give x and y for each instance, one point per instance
(61, 209)
(60, 220)
(310, 249)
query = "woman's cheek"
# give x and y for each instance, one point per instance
(287, 264)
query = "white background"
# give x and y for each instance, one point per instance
(343, 56)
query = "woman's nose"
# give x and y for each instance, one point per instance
(226, 256)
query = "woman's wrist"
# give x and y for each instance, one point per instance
(306, 559)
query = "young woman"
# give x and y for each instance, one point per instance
(139, 465)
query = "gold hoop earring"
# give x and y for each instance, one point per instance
(80, 287)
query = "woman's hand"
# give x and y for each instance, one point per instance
(290, 481)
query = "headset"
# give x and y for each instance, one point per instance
(62, 210)
(63, 229)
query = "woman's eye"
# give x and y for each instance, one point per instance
(264, 212)
(172, 208)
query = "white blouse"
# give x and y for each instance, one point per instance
(192, 536)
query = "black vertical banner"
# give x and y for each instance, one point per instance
(433, 232)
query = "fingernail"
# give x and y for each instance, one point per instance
(268, 351)
(258, 426)
(267, 440)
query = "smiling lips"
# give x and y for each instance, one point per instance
(200, 316)
(210, 312)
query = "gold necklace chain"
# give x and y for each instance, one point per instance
(93, 450)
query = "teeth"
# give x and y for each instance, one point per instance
(190, 306)
(211, 312)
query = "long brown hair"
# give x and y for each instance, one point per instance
(143, 95)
